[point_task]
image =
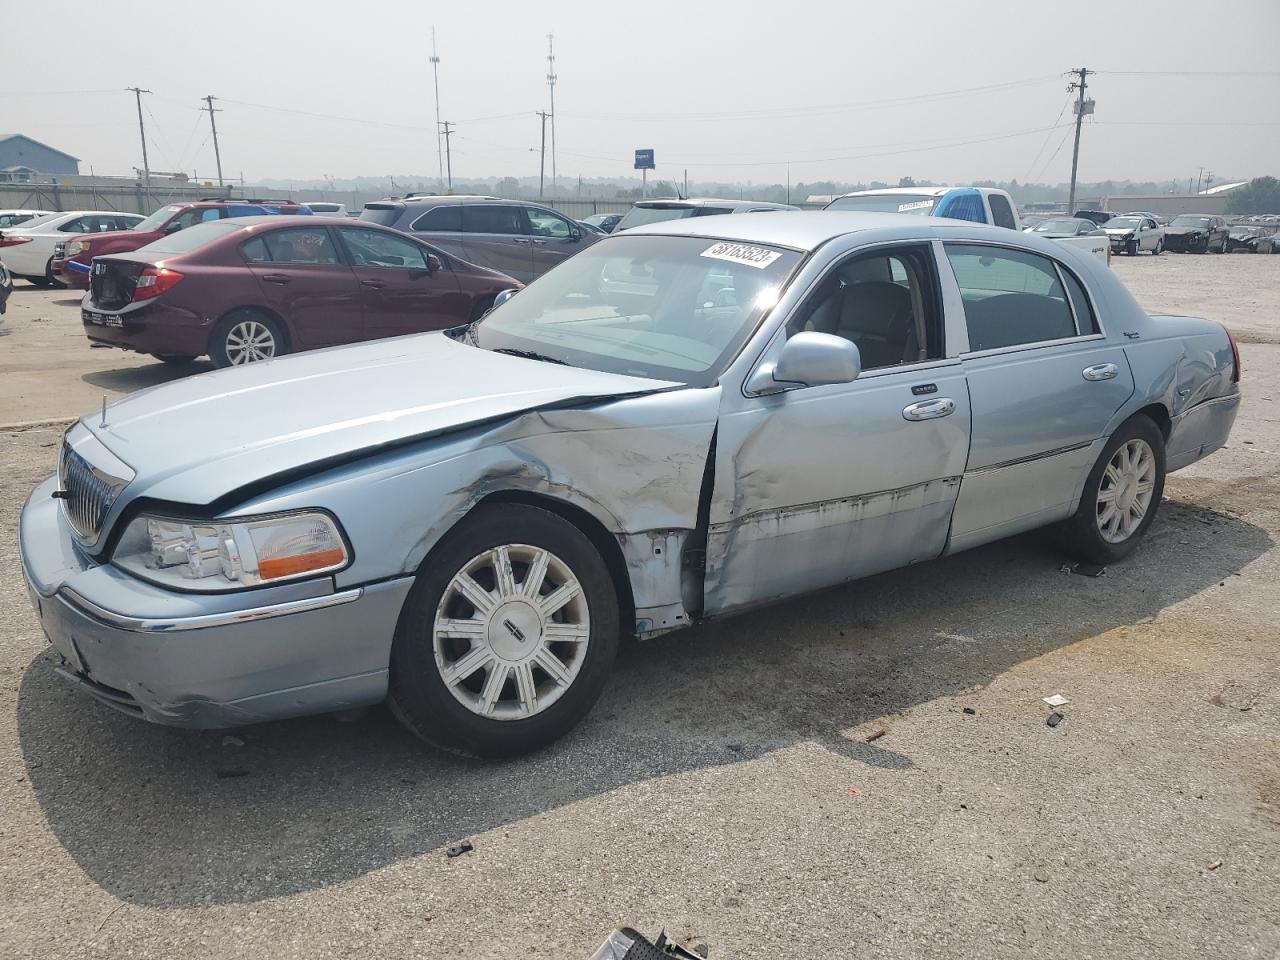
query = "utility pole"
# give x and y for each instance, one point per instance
(435, 71)
(542, 165)
(217, 155)
(146, 166)
(551, 82)
(1079, 86)
(448, 156)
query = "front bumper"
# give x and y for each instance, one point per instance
(1178, 244)
(72, 273)
(204, 660)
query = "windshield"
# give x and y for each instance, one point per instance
(1066, 225)
(192, 238)
(669, 308)
(1122, 223)
(325, 207)
(157, 219)
(383, 214)
(640, 216)
(919, 204)
(1190, 222)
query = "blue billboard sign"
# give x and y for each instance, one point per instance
(644, 159)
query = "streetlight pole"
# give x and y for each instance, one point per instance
(551, 82)
(435, 71)
(142, 132)
(1079, 86)
(217, 155)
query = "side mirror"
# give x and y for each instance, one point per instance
(503, 296)
(173, 227)
(433, 263)
(575, 234)
(808, 360)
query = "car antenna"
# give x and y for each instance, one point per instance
(104, 411)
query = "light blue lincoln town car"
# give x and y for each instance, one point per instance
(681, 422)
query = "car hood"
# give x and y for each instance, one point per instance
(139, 237)
(1182, 231)
(1118, 231)
(199, 439)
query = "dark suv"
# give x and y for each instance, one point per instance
(522, 240)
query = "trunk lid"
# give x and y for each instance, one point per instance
(112, 281)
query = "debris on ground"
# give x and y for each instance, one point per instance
(232, 741)
(627, 944)
(970, 711)
(1235, 696)
(1213, 866)
(855, 792)
(458, 849)
(1056, 700)
(1087, 569)
(1055, 718)
(1041, 876)
(872, 738)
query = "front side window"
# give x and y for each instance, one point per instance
(373, 248)
(1010, 297)
(492, 218)
(157, 219)
(670, 308)
(544, 223)
(1001, 212)
(298, 245)
(198, 215)
(885, 303)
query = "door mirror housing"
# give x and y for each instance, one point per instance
(433, 263)
(173, 227)
(808, 359)
(503, 296)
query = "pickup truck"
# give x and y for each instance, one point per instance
(977, 204)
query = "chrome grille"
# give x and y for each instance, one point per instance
(88, 492)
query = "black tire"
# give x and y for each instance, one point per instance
(218, 340)
(1080, 534)
(419, 696)
(39, 281)
(1131, 249)
(1158, 248)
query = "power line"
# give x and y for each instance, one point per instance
(1047, 137)
(1187, 73)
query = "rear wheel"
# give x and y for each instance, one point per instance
(247, 336)
(1131, 248)
(507, 636)
(1121, 495)
(1158, 249)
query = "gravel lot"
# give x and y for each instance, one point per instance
(733, 784)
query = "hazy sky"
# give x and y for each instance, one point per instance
(730, 91)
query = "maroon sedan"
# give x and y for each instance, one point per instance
(253, 288)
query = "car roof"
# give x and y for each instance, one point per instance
(900, 191)
(681, 202)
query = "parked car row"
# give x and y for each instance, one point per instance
(29, 248)
(465, 524)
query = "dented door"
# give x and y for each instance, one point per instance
(823, 485)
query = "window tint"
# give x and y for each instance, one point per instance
(73, 226)
(1001, 212)
(373, 248)
(127, 223)
(544, 223)
(297, 245)
(1087, 322)
(886, 303)
(711, 211)
(491, 218)
(447, 217)
(198, 215)
(383, 214)
(1010, 297)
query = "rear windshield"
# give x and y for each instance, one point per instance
(193, 238)
(1118, 223)
(1057, 226)
(383, 214)
(325, 207)
(919, 204)
(641, 216)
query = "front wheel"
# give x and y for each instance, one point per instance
(1131, 248)
(507, 637)
(1121, 495)
(1158, 248)
(246, 336)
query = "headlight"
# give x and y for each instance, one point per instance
(210, 555)
(75, 247)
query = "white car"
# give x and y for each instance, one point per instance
(326, 208)
(1134, 232)
(28, 248)
(11, 218)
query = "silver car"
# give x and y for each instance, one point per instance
(682, 422)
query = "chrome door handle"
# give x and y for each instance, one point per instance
(540, 243)
(521, 240)
(930, 409)
(276, 278)
(376, 284)
(1101, 371)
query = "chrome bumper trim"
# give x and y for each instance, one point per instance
(230, 618)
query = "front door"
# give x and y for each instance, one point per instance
(821, 485)
(401, 293)
(1044, 383)
(554, 238)
(302, 278)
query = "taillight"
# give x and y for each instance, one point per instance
(14, 241)
(154, 282)
(1235, 354)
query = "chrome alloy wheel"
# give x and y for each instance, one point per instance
(511, 631)
(1124, 495)
(249, 341)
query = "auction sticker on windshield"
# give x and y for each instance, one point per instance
(743, 253)
(916, 205)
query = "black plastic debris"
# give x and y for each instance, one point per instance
(970, 711)
(1055, 718)
(1088, 570)
(458, 849)
(626, 944)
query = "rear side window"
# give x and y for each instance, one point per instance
(711, 211)
(299, 245)
(1010, 297)
(446, 218)
(1085, 318)
(491, 218)
(1001, 212)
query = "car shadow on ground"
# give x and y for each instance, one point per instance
(69, 302)
(178, 818)
(128, 379)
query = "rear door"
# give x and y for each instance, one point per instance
(305, 281)
(554, 238)
(1043, 384)
(494, 235)
(442, 226)
(399, 291)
